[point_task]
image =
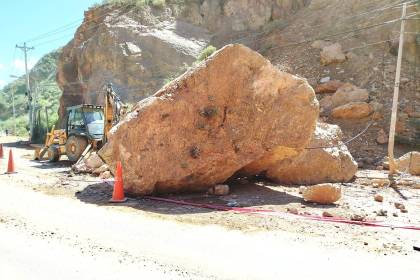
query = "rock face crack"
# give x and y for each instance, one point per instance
(224, 117)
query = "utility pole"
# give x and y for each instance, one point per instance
(25, 50)
(13, 105)
(14, 113)
(392, 164)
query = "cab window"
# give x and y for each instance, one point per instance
(76, 119)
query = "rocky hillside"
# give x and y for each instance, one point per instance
(140, 47)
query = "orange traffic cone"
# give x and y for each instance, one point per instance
(1, 151)
(118, 194)
(10, 164)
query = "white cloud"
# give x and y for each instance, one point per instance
(1, 66)
(2, 84)
(19, 64)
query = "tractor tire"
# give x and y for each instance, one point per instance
(75, 145)
(53, 154)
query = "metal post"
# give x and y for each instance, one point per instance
(46, 118)
(13, 104)
(392, 164)
(25, 50)
(34, 109)
(14, 113)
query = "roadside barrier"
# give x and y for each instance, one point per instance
(118, 193)
(11, 164)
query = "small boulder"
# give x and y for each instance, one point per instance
(379, 198)
(80, 167)
(293, 210)
(358, 217)
(349, 93)
(382, 137)
(352, 110)
(93, 161)
(399, 205)
(220, 190)
(327, 214)
(88, 164)
(322, 193)
(101, 169)
(410, 162)
(105, 175)
(332, 54)
(328, 87)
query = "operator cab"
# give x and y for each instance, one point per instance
(85, 120)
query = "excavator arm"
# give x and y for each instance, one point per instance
(113, 110)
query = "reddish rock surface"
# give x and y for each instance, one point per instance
(349, 93)
(322, 193)
(352, 110)
(328, 87)
(325, 160)
(204, 126)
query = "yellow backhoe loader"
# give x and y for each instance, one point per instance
(86, 129)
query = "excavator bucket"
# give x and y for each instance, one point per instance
(41, 150)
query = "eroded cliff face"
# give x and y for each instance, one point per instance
(140, 49)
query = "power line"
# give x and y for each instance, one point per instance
(345, 142)
(342, 20)
(337, 34)
(395, 4)
(71, 26)
(54, 40)
(52, 32)
(371, 44)
(86, 30)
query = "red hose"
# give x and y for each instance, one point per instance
(276, 213)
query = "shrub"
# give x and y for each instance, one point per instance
(158, 3)
(206, 53)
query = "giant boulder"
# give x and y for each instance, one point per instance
(204, 126)
(325, 160)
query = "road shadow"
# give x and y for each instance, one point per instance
(45, 164)
(18, 144)
(252, 194)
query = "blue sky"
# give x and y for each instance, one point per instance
(22, 20)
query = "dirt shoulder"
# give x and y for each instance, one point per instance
(358, 199)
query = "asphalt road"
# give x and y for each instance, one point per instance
(60, 237)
